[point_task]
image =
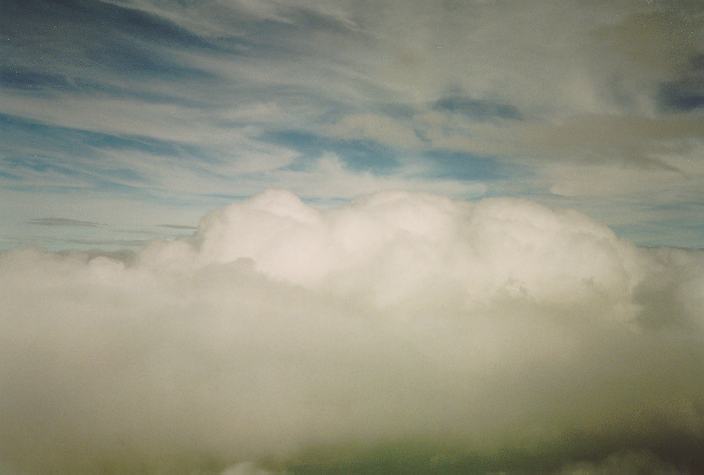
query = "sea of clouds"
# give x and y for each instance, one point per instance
(281, 337)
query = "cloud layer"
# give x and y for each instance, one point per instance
(497, 335)
(180, 107)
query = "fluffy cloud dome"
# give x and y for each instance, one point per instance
(395, 245)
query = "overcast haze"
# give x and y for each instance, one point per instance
(309, 236)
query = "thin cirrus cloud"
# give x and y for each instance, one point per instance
(550, 92)
(64, 222)
(400, 332)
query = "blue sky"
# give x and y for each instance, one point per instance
(122, 121)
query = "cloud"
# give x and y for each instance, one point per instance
(619, 463)
(246, 468)
(551, 87)
(481, 110)
(178, 226)
(379, 128)
(400, 330)
(63, 222)
(331, 178)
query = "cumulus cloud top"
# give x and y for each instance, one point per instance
(282, 337)
(395, 244)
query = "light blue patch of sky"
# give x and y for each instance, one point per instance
(21, 79)
(83, 143)
(358, 155)
(464, 166)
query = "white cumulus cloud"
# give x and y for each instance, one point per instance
(279, 328)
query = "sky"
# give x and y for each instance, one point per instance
(268, 237)
(121, 121)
